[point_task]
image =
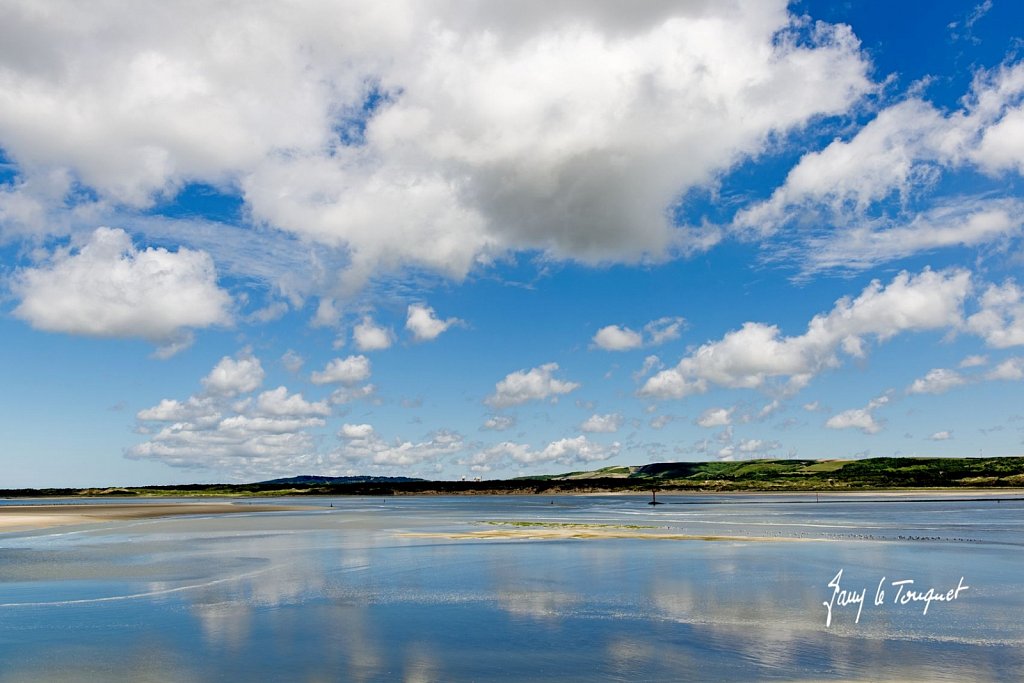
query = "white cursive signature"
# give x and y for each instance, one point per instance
(905, 594)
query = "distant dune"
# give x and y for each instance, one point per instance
(870, 474)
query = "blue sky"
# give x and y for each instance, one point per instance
(449, 239)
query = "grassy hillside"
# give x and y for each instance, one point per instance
(836, 474)
(749, 475)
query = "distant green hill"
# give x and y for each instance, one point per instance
(747, 475)
(817, 474)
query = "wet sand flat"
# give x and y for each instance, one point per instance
(540, 531)
(547, 534)
(28, 517)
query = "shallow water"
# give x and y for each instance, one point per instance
(387, 589)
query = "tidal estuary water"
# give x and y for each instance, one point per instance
(508, 588)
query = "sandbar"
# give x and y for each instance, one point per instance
(563, 533)
(29, 517)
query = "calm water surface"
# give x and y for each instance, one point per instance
(387, 590)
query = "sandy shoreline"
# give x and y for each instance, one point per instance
(29, 517)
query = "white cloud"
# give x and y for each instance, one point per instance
(1011, 369)
(964, 222)
(660, 421)
(724, 446)
(757, 353)
(941, 436)
(231, 431)
(364, 446)
(536, 384)
(327, 314)
(355, 431)
(245, 425)
(232, 376)
(769, 409)
(222, 432)
(108, 288)
(860, 190)
(650, 363)
(888, 155)
(368, 336)
(656, 332)
(269, 313)
(726, 452)
(1001, 318)
(566, 128)
(856, 418)
(979, 11)
(974, 361)
(168, 410)
(30, 208)
(195, 409)
(605, 424)
(578, 449)
(615, 338)
(715, 417)
(477, 462)
(937, 381)
(347, 371)
(348, 394)
(750, 447)
(663, 330)
(499, 423)
(279, 403)
(292, 361)
(568, 452)
(941, 380)
(239, 445)
(424, 324)
(1002, 146)
(859, 418)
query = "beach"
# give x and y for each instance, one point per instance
(43, 516)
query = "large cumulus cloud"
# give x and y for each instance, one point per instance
(109, 288)
(426, 134)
